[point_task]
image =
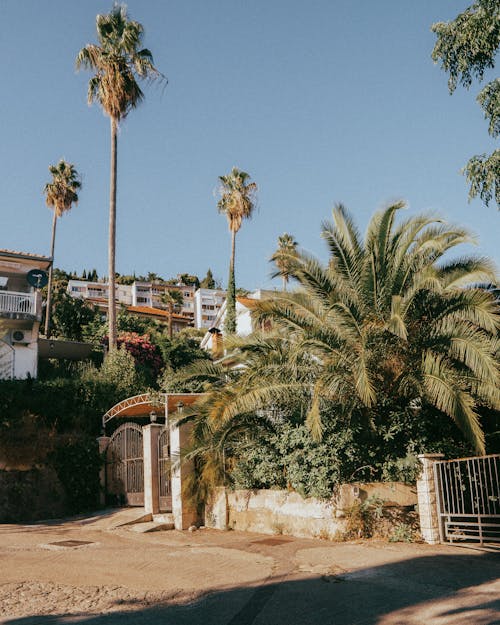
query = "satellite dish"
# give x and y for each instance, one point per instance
(37, 278)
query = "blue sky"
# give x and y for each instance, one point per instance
(321, 102)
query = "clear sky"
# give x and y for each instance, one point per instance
(321, 101)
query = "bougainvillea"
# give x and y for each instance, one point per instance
(145, 353)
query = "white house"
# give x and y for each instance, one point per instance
(20, 314)
(244, 322)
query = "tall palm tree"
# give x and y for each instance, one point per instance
(60, 195)
(118, 62)
(238, 199)
(284, 257)
(171, 298)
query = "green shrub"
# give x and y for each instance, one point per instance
(402, 533)
(77, 463)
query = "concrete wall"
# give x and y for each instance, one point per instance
(283, 512)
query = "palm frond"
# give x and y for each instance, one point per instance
(444, 392)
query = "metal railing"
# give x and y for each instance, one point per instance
(18, 303)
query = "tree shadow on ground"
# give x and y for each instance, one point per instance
(453, 589)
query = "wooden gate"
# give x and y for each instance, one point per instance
(165, 493)
(468, 498)
(125, 466)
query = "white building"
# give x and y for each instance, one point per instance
(200, 306)
(244, 322)
(207, 305)
(96, 293)
(20, 314)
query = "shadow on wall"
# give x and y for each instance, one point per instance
(453, 589)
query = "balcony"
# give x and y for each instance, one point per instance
(19, 305)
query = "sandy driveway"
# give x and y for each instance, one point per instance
(89, 572)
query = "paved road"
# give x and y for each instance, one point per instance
(89, 572)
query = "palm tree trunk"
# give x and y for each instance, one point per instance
(230, 321)
(284, 283)
(112, 238)
(170, 313)
(49, 286)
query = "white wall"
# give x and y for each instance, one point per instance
(25, 360)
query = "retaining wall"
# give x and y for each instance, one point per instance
(284, 512)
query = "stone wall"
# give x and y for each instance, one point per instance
(284, 512)
(30, 495)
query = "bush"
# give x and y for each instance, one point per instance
(77, 463)
(290, 458)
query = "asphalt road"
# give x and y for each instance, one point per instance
(90, 572)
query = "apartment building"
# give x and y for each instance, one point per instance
(199, 307)
(96, 293)
(207, 304)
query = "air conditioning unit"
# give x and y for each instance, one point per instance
(20, 336)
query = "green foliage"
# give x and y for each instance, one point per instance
(71, 316)
(189, 280)
(402, 533)
(181, 350)
(405, 469)
(77, 464)
(467, 47)
(71, 399)
(208, 281)
(362, 518)
(119, 372)
(284, 257)
(288, 457)
(483, 174)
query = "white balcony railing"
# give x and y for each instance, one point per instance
(17, 303)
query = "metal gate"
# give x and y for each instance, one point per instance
(125, 465)
(468, 498)
(6, 361)
(165, 493)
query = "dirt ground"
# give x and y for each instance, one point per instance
(91, 572)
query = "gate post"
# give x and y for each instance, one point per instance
(427, 501)
(183, 510)
(102, 441)
(150, 434)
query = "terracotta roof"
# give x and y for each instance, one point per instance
(24, 254)
(159, 312)
(247, 301)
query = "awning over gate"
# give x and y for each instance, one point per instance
(143, 405)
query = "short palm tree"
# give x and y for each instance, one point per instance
(389, 320)
(238, 199)
(171, 298)
(284, 257)
(118, 62)
(60, 195)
